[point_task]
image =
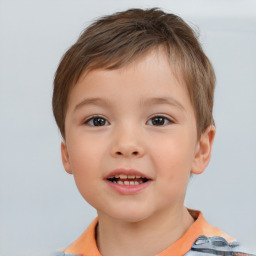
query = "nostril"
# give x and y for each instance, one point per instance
(135, 153)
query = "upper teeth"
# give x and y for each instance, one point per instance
(124, 176)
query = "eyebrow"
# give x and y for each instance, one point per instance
(92, 101)
(162, 100)
(150, 101)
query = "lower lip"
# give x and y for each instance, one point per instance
(128, 189)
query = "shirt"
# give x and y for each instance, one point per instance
(201, 239)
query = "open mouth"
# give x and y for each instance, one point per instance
(128, 180)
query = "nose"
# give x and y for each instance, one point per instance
(127, 143)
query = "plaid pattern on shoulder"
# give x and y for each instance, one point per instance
(208, 246)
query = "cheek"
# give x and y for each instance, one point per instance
(86, 177)
(85, 159)
(173, 165)
(174, 157)
(85, 153)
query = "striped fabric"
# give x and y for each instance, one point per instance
(208, 246)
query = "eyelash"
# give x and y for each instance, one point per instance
(87, 121)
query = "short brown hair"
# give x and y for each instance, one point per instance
(116, 40)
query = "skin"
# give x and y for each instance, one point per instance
(129, 138)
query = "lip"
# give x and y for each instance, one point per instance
(127, 189)
(126, 172)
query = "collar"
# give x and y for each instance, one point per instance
(86, 244)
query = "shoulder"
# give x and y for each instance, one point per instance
(85, 244)
(207, 240)
(217, 245)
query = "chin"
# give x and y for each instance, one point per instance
(128, 215)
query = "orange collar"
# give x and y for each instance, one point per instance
(86, 244)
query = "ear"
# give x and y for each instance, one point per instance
(203, 150)
(65, 158)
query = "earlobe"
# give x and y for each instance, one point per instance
(65, 158)
(203, 151)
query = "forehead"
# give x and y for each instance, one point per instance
(161, 54)
(150, 74)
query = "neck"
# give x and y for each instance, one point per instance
(142, 238)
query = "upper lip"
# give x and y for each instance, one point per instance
(126, 172)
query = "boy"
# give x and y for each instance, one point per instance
(133, 100)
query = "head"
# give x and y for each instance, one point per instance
(115, 41)
(133, 96)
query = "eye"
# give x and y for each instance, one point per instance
(96, 121)
(159, 121)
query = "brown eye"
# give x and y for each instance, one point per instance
(159, 121)
(97, 121)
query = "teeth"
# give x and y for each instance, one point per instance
(128, 183)
(124, 179)
(124, 176)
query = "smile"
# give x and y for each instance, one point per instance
(128, 180)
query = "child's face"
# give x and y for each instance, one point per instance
(144, 121)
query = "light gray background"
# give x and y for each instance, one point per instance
(41, 209)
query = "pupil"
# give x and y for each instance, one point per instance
(158, 121)
(98, 121)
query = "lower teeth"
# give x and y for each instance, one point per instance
(131, 183)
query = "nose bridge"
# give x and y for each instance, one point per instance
(127, 140)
